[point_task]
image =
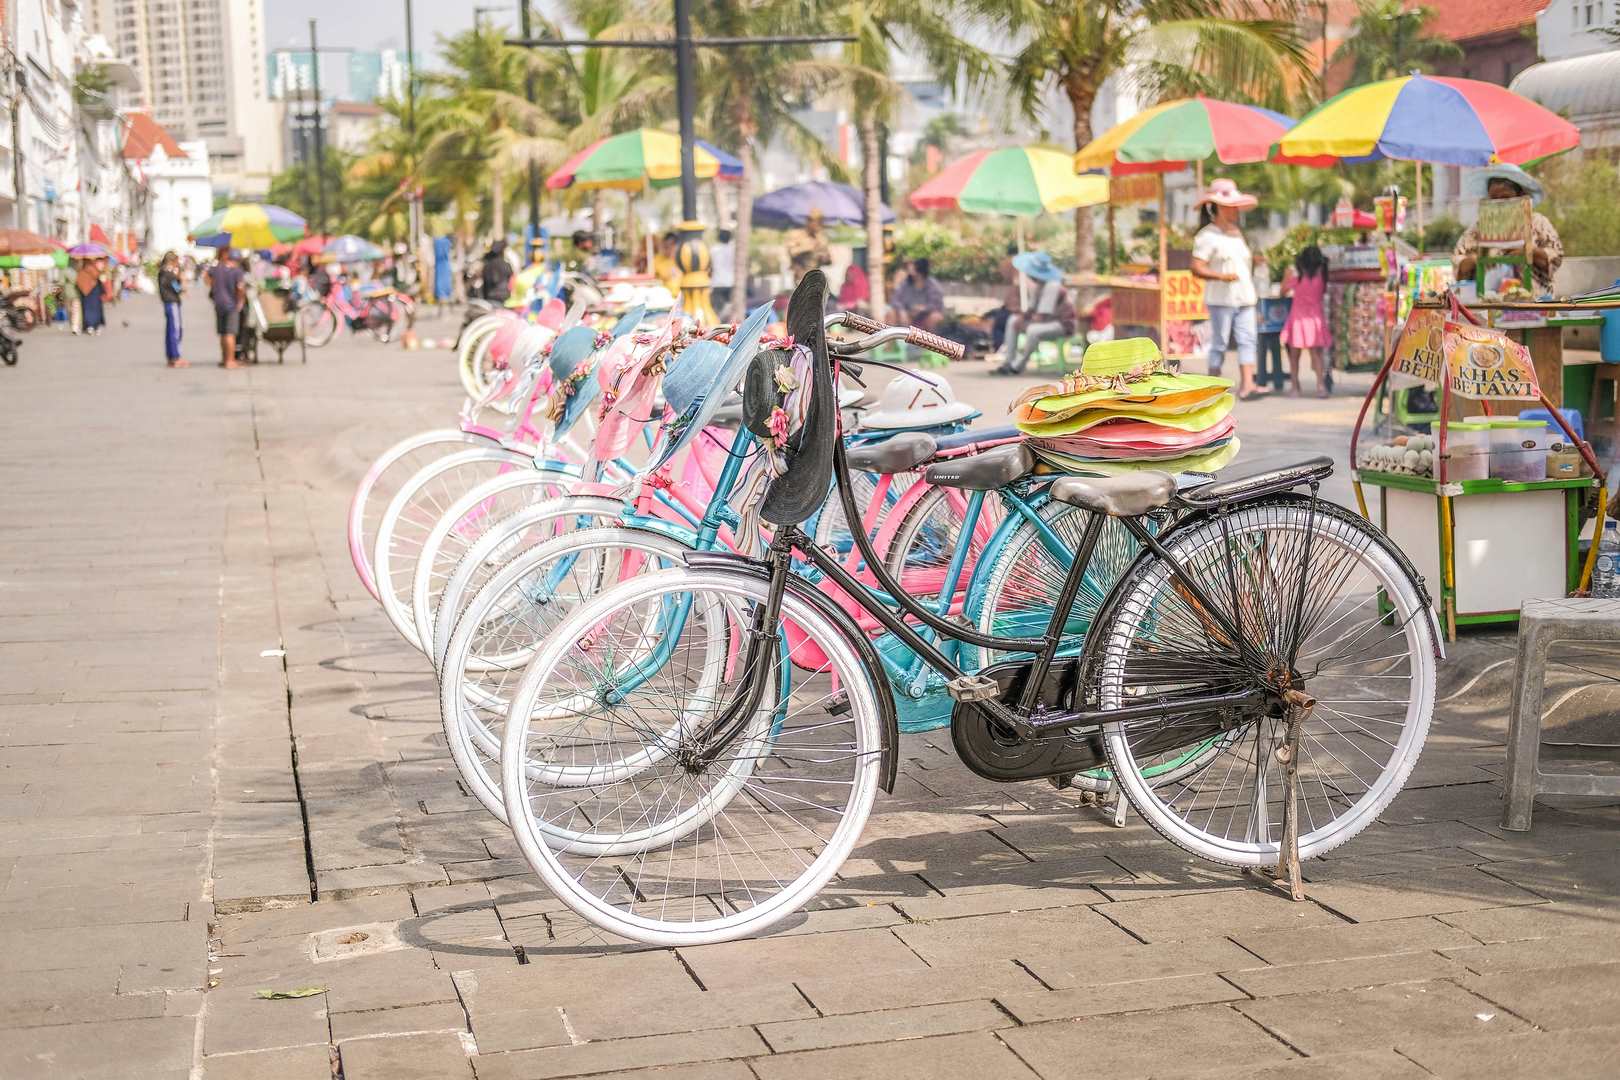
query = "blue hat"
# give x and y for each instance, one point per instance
(572, 348)
(1038, 265)
(698, 381)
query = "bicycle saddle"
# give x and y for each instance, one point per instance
(904, 451)
(1130, 495)
(995, 468)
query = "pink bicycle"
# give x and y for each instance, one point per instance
(379, 311)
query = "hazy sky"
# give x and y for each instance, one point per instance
(375, 24)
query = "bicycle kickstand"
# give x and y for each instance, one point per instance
(1287, 872)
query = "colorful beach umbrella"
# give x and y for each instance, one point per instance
(789, 207)
(1174, 134)
(1428, 118)
(249, 225)
(1013, 180)
(352, 249)
(635, 159)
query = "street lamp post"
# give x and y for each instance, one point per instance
(534, 167)
(320, 141)
(693, 254)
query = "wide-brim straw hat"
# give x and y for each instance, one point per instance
(1123, 374)
(700, 378)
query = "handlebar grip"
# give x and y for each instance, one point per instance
(945, 347)
(861, 324)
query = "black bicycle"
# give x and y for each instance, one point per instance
(693, 754)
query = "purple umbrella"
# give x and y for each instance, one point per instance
(91, 250)
(789, 207)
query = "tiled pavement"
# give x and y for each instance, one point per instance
(221, 773)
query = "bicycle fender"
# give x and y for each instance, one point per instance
(864, 651)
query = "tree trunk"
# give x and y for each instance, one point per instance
(1081, 96)
(497, 208)
(872, 185)
(743, 235)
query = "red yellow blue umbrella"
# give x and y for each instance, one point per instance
(635, 159)
(1174, 134)
(1426, 118)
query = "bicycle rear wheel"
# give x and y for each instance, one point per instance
(704, 850)
(927, 540)
(1320, 603)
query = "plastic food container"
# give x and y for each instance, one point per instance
(1468, 450)
(1519, 450)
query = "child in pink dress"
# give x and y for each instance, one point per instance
(1307, 326)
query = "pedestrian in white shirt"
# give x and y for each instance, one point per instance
(1221, 257)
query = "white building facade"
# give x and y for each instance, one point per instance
(43, 186)
(201, 70)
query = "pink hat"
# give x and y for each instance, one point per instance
(1224, 192)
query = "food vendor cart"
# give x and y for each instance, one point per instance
(1485, 518)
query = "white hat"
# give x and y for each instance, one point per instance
(917, 399)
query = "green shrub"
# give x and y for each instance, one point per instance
(1580, 203)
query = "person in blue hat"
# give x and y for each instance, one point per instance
(1050, 315)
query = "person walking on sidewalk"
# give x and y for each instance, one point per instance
(92, 292)
(170, 289)
(227, 285)
(1307, 326)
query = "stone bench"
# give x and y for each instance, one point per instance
(1541, 623)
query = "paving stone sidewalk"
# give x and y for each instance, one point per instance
(222, 773)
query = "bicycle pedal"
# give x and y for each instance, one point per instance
(973, 688)
(1062, 783)
(839, 705)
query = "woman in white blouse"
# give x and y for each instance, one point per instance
(1221, 256)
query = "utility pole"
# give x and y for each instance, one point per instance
(693, 255)
(414, 198)
(320, 142)
(534, 168)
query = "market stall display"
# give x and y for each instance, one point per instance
(1478, 504)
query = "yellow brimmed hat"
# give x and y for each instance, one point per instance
(1124, 374)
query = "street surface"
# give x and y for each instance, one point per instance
(222, 774)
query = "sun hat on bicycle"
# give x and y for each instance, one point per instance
(573, 359)
(789, 402)
(628, 374)
(917, 399)
(1123, 373)
(701, 377)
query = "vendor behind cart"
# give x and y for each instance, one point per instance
(1545, 251)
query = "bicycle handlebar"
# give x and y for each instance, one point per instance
(880, 333)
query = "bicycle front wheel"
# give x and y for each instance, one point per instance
(506, 622)
(394, 467)
(1308, 598)
(737, 817)
(318, 324)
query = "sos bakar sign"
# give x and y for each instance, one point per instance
(1184, 296)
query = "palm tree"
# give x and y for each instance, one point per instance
(1164, 48)
(1388, 39)
(881, 28)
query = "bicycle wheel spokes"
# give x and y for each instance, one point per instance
(1285, 599)
(504, 625)
(703, 819)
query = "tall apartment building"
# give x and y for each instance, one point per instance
(200, 64)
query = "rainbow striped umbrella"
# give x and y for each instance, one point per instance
(1170, 136)
(249, 225)
(1014, 180)
(635, 159)
(1428, 118)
